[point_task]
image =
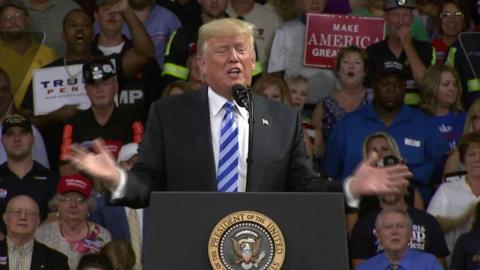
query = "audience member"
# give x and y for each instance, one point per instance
(176, 88)
(421, 144)
(7, 108)
(374, 8)
(298, 89)
(21, 52)
(426, 232)
(121, 254)
(103, 119)
(96, 261)
(137, 92)
(350, 69)
(287, 52)
(20, 174)
(274, 88)
(266, 23)
(430, 9)
(393, 229)
(185, 10)
(77, 30)
(466, 250)
(20, 250)
(453, 19)
(464, 57)
(453, 204)
(123, 223)
(399, 50)
(387, 149)
(453, 165)
(46, 16)
(441, 94)
(159, 22)
(71, 233)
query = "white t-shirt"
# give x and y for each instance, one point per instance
(451, 200)
(287, 54)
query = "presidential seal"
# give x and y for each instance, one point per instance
(246, 240)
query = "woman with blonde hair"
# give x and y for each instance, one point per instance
(441, 93)
(453, 165)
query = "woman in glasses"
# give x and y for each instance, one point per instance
(71, 233)
(453, 19)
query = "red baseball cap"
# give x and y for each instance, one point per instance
(75, 183)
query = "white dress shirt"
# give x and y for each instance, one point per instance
(215, 103)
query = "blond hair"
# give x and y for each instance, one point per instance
(474, 108)
(430, 85)
(227, 27)
(390, 141)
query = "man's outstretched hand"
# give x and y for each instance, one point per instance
(97, 163)
(370, 180)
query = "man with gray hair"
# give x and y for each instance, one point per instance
(393, 229)
(19, 250)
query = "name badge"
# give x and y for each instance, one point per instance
(412, 142)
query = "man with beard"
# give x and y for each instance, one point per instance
(20, 51)
(420, 142)
(426, 232)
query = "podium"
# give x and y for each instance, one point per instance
(180, 225)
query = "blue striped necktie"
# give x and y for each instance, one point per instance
(227, 175)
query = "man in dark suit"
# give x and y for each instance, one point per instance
(185, 143)
(19, 250)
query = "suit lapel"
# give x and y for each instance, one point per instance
(38, 257)
(3, 255)
(199, 115)
(261, 133)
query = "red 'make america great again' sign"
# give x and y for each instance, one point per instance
(326, 34)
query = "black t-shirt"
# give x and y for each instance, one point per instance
(466, 254)
(380, 57)
(39, 183)
(427, 235)
(83, 129)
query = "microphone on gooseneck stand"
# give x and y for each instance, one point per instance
(241, 94)
(243, 97)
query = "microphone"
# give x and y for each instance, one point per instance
(241, 95)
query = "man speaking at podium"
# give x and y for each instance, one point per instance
(200, 141)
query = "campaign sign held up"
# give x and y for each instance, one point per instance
(326, 34)
(56, 86)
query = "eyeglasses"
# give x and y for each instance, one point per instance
(457, 14)
(72, 200)
(15, 16)
(18, 212)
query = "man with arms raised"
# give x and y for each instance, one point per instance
(186, 148)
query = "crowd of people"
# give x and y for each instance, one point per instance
(156, 72)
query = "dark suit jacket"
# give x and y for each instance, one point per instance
(43, 257)
(176, 153)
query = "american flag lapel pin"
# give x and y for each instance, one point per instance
(265, 122)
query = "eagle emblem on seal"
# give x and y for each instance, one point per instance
(246, 245)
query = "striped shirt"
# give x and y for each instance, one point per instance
(19, 257)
